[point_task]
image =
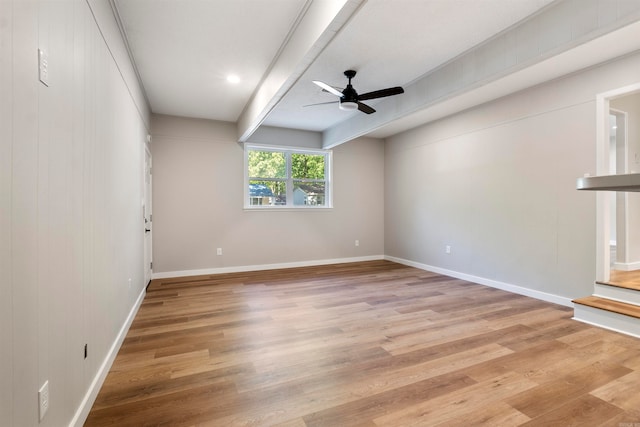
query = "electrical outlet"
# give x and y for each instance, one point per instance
(357, 242)
(43, 399)
(447, 249)
(219, 251)
(129, 282)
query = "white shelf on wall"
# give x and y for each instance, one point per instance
(623, 182)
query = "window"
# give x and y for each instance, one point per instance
(292, 178)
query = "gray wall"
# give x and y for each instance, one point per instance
(70, 198)
(198, 207)
(497, 184)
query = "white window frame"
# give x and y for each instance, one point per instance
(328, 188)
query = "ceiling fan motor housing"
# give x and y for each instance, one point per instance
(349, 94)
(349, 98)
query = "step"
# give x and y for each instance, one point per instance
(624, 279)
(622, 292)
(609, 314)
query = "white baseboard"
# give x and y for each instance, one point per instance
(626, 266)
(89, 398)
(259, 267)
(556, 299)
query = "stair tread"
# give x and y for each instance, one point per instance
(623, 279)
(610, 305)
(626, 285)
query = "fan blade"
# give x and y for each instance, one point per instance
(381, 93)
(321, 103)
(339, 89)
(328, 88)
(365, 108)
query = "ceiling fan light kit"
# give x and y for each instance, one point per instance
(349, 98)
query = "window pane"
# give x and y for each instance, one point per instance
(267, 193)
(307, 166)
(267, 164)
(309, 194)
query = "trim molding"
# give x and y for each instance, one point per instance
(556, 299)
(245, 268)
(89, 398)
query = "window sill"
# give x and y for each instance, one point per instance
(287, 209)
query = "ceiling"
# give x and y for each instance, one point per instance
(185, 49)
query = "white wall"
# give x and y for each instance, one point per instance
(70, 197)
(198, 207)
(497, 184)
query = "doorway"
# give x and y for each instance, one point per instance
(618, 213)
(147, 213)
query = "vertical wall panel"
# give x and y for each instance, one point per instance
(6, 156)
(88, 210)
(24, 238)
(74, 327)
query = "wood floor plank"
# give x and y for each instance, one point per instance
(496, 414)
(376, 405)
(586, 410)
(362, 344)
(548, 396)
(623, 392)
(464, 402)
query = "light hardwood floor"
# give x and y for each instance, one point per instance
(363, 344)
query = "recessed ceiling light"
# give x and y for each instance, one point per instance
(232, 78)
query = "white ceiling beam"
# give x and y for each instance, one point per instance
(319, 23)
(521, 52)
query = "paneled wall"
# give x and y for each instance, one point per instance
(71, 230)
(497, 185)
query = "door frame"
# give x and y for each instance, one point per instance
(147, 213)
(603, 210)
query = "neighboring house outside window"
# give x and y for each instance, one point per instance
(277, 177)
(260, 195)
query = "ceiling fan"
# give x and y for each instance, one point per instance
(349, 98)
